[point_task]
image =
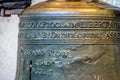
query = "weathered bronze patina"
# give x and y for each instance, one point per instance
(69, 40)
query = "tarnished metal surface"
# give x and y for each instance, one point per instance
(69, 41)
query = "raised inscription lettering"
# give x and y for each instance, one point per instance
(44, 58)
(71, 24)
(42, 71)
(35, 35)
(42, 53)
(44, 62)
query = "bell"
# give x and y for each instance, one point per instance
(69, 40)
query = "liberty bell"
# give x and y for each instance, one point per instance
(69, 40)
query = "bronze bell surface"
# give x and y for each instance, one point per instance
(69, 40)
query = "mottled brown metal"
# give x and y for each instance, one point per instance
(62, 40)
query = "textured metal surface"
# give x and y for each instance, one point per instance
(69, 41)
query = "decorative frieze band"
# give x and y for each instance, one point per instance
(55, 34)
(90, 30)
(87, 24)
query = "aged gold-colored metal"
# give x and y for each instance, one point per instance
(69, 40)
